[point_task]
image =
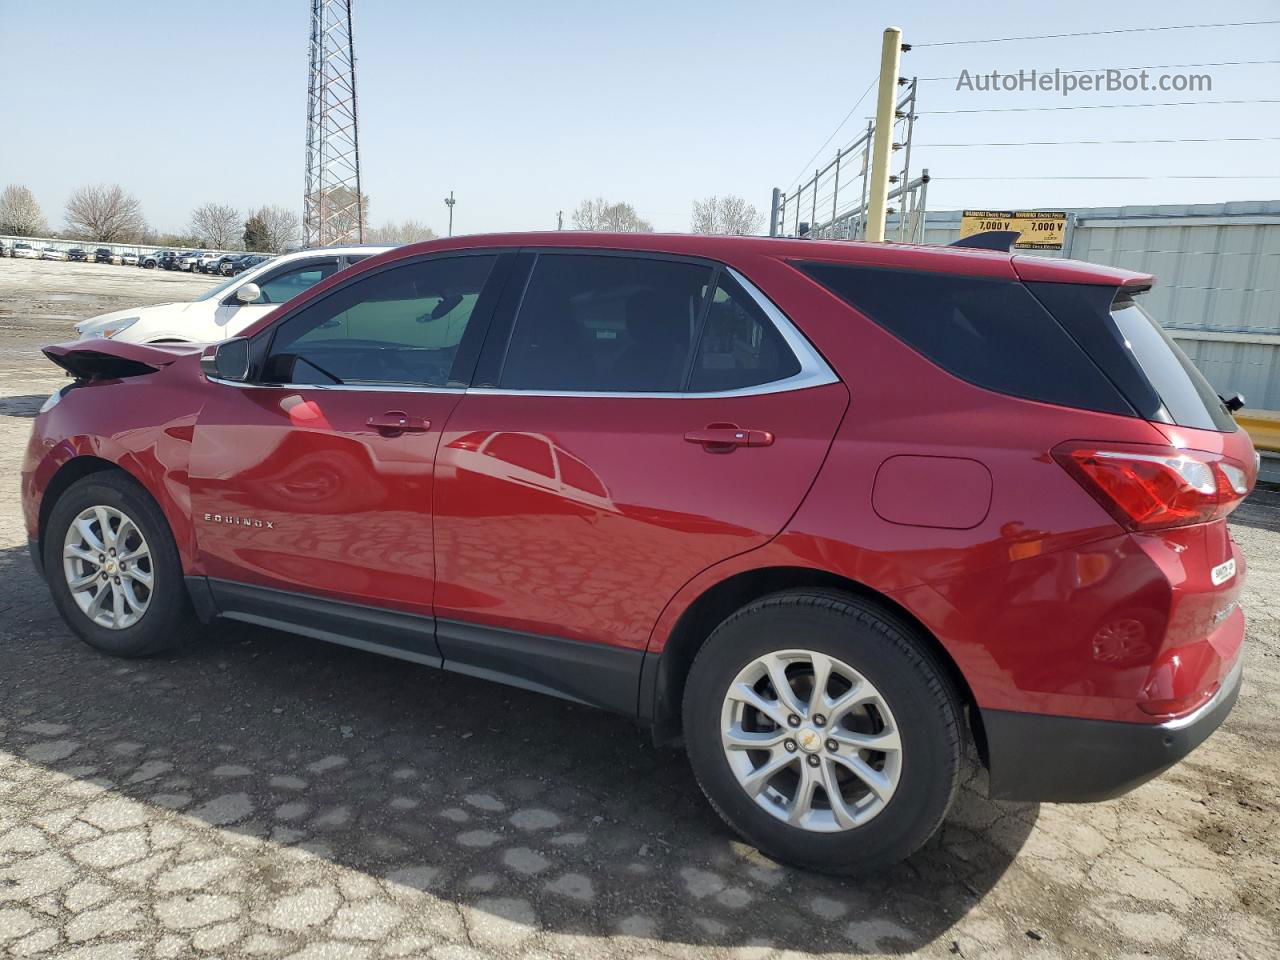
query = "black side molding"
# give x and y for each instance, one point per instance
(1002, 240)
(589, 673)
(404, 635)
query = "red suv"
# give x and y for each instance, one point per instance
(826, 511)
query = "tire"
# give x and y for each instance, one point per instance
(916, 780)
(164, 619)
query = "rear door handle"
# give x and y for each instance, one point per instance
(397, 421)
(722, 437)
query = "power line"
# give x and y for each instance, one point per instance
(1096, 106)
(1178, 176)
(1140, 66)
(1100, 33)
(1072, 143)
(805, 168)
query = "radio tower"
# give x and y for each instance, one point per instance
(333, 206)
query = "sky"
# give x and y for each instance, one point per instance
(525, 109)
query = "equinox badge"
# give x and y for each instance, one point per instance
(239, 521)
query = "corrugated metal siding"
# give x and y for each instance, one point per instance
(1251, 369)
(1217, 268)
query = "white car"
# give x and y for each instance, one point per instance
(224, 310)
(49, 253)
(204, 263)
(187, 261)
(25, 251)
(129, 259)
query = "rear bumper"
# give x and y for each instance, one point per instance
(1034, 757)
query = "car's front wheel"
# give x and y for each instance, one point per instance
(113, 567)
(822, 729)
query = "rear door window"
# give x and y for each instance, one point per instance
(739, 346)
(606, 324)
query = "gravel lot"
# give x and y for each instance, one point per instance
(265, 795)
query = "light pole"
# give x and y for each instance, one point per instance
(449, 202)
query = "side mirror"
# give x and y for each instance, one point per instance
(1233, 402)
(248, 293)
(228, 360)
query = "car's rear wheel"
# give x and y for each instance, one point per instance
(822, 730)
(113, 567)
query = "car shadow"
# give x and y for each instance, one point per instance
(22, 406)
(481, 792)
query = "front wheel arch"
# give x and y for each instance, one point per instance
(77, 468)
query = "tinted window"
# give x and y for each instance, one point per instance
(993, 333)
(739, 347)
(600, 323)
(401, 325)
(289, 283)
(1187, 395)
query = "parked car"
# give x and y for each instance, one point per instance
(149, 261)
(239, 263)
(102, 255)
(53, 253)
(825, 511)
(169, 259)
(228, 307)
(186, 260)
(25, 251)
(77, 253)
(129, 259)
(207, 262)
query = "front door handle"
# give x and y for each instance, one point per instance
(723, 437)
(397, 422)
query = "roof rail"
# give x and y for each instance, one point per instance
(1002, 240)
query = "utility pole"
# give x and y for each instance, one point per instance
(882, 146)
(449, 202)
(332, 202)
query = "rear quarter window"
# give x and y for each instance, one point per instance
(991, 333)
(1187, 395)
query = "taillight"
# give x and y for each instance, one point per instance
(1147, 487)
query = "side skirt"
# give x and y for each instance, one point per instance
(588, 673)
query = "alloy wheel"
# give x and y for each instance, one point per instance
(107, 565)
(811, 740)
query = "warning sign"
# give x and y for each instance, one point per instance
(1039, 229)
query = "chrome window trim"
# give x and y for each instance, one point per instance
(814, 370)
(364, 387)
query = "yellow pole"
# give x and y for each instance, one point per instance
(882, 145)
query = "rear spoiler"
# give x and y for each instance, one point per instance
(101, 359)
(1002, 240)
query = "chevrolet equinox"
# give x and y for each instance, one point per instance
(826, 512)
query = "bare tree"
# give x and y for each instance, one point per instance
(600, 214)
(410, 231)
(272, 228)
(105, 213)
(218, 225)
(727, 214)
(20, 215)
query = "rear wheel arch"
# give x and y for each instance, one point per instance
(663, 685)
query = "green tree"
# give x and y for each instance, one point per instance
(257, 235)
